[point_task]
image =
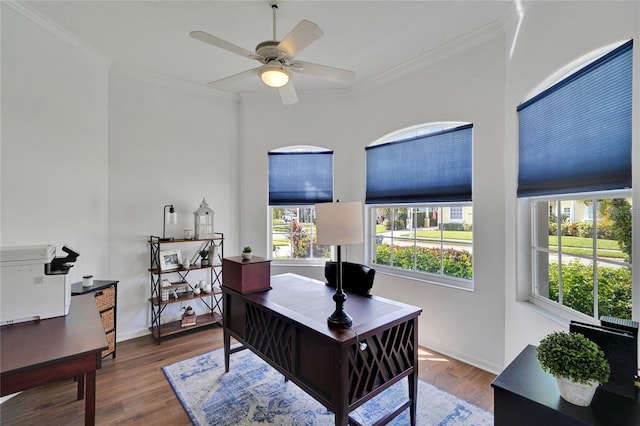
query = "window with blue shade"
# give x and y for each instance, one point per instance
(575, 168)
(418, 195)
(299, 177)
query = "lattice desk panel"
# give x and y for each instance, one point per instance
(388, 355)
(277, 343)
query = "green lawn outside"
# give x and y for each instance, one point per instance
(570, 245)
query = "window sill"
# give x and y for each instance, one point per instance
(298, 262)
(555, 312)
(413, 276)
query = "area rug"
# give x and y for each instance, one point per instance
(254, 393)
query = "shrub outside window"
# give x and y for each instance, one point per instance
(417, 242)
(293, 234)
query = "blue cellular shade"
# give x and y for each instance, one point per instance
(576, 136)
(434, 167)
(301, 178)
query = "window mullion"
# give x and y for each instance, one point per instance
(594, 217)
(559, 236)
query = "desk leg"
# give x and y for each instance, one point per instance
(342, 417)
(80, 380)
(90, 401)
(227, 346)
(413, 392)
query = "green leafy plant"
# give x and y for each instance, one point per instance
(247, 249)
(573, 356)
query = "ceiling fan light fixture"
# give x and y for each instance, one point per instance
(274, 75)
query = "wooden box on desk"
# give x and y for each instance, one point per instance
(246, 276)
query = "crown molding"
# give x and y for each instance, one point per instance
(55, 29)
(438, 54)
(168, 81)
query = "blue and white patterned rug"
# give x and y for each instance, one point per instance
(253, 393)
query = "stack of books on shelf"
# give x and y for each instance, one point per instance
(189, 317)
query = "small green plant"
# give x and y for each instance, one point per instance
(247, 249)
(573, 356)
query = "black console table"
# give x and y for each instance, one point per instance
(524, 394)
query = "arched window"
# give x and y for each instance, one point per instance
(299, 177)
(419, 198)
(575, 169)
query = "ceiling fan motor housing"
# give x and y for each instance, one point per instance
(269, 51)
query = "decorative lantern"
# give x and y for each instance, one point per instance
(203, 221)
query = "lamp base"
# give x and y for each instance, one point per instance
(339, 319)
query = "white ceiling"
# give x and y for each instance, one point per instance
(368, 37)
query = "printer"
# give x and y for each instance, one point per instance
(34, 283)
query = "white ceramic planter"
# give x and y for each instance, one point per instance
(576, 393)
(246, 256)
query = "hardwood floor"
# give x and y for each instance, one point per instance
(132, 388)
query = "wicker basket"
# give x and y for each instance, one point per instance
(106, 298)
(107, 318)
(111, 339)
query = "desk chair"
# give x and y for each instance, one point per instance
(356, 278)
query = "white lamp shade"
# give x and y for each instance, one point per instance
(339, 223)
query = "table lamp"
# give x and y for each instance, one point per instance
(172, 217)
(337, 224)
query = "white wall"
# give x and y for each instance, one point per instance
(54, 143)
(552, 35)
(319, 119)
(91, 155)
(169, 143)
(466, 86)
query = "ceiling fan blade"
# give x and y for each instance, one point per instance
(218, 42)
(305, 33)
(323, 71)
(288, 93)
(233, 78)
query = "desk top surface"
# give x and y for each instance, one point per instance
(54, 339)
(310, 302)
(524, 377)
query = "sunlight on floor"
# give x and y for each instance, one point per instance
(424, 355)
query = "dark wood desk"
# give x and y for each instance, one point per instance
(524, 395)
(287, 327)
(39, 352)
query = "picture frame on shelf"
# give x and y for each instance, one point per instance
(170, 259)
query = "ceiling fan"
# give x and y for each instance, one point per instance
(277, 59)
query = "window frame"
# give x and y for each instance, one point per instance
(424, 277)
(545, 303)
(311, 261)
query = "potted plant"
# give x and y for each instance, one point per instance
(204, 257)
(246, 253)
(577, 363)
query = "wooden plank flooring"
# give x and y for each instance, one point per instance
(132, 388)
